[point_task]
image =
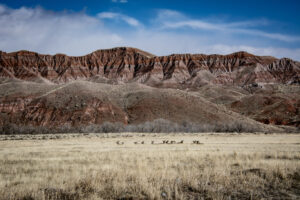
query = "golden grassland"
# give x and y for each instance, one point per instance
(94, 166)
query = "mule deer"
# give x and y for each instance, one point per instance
(196, 142)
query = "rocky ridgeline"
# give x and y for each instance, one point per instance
(130, 64)
(235, 89)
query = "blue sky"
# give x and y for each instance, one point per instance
(161, 27)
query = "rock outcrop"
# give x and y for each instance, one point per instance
(113, 85)
(129, 64)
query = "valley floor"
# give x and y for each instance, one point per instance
(129, 166)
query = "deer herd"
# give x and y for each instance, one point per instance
(163, 142)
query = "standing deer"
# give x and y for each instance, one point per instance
(196, 142)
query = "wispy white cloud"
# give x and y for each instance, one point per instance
(166, 14)
(167, 20)
(52, 32)
(118, 16)
(75, 33)
(119, 1)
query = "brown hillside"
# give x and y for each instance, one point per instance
(131, 86)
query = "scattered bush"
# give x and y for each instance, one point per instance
(156, 126)
(237, 126)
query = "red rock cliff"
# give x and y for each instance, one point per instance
(129, 64)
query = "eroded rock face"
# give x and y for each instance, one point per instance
(39, 112)
(84, 103)
(270, 108)
(129, 64)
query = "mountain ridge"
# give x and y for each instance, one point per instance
(131, 86)
(126, 64)
(137, 50)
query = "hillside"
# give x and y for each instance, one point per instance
(131, 86)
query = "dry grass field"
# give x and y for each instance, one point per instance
(95, 166)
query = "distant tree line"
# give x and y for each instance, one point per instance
(156, 126)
